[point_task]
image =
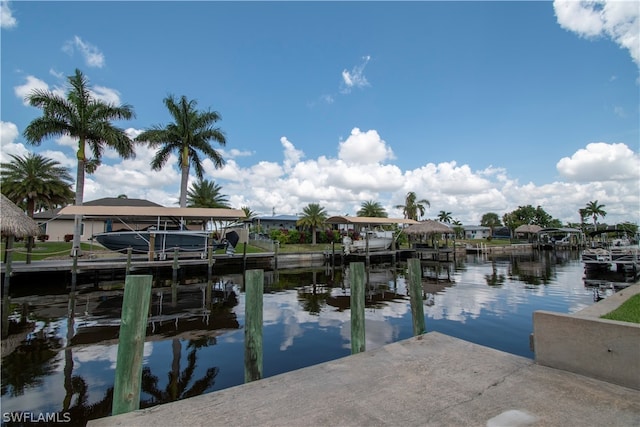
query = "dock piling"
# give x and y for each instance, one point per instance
(357, 283)
(126, 393)
(254, 289)
(415, 291)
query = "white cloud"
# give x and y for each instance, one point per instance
(618, 20)
(292, 155)
(101, 93)
(92, 55)
(364, 148)
(605, 172)
(7, 20)
(600, 161)
(106, 94)
(355, 77)
(8, 145)
(33, 83)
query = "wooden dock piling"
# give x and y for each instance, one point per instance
(357, 283)
(415, 291)
(126, 393)
(254, 290)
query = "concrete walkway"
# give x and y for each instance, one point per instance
(430, 380)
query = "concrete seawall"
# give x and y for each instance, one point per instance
(429, 380)
(588, 345)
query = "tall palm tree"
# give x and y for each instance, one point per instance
(83, 117)
(34, 181)
(445, 217)
(412, 206)
(313, 216)
(372, 209)
(189, 135)
(594, 210)
(206, 194)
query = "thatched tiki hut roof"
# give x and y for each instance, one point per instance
(14, 222)
(528, 228)
(428, 227)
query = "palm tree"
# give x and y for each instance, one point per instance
(594, 210)
(206, 194)
(458, 228)
(412, 206)
(372, 209)
(85, 118)
(313, 216)
(189, 135)
(248, 213)
(445, 217)
(34, 181)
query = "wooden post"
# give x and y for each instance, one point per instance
(5, 287)
(357, 282)
(415, 292)
(74, 269)
(275, 258)
(128, 268)
(209, 289)
(254, 289)
(133, 325)
(244, 256)
(333, 254)
(152, 245)
(174, 278)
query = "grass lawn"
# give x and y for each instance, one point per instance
(41, 251)
(44, 250)
(629, 311)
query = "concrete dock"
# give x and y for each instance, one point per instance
(429, 380)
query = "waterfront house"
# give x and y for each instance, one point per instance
(59, 228)
(476, 232)
(265, 224)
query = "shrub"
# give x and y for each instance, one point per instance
(44, 237)
(68, 238)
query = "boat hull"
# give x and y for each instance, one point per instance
(375, 244)
(139, 242)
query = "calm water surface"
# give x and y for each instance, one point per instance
(67, 365)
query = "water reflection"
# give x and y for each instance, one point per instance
(194, 345)
(181, 384)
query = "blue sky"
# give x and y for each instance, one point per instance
(476, 106)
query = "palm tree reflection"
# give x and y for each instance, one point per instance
(180, 384)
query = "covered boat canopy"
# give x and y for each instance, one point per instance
(153, 211)
(368, 220)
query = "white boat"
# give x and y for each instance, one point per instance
(374, 240)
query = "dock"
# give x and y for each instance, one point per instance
(428, 380)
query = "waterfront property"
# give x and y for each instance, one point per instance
(58, 226)
(199, 335)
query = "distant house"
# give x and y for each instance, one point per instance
(58, 226)
(476, 232)
(276, 222)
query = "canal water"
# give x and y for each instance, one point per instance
(65, 365)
